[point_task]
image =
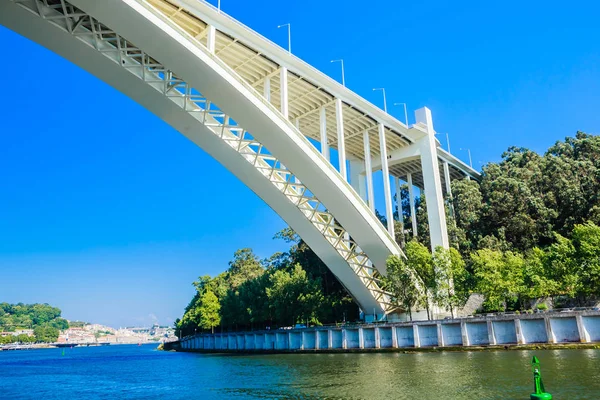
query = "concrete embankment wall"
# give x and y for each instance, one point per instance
(553, 328)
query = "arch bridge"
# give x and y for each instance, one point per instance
(271, 119)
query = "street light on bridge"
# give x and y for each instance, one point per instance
(447, 140)
(470, 160)
(343, 77)
(384, 100)
(405, 113)
(289, 26)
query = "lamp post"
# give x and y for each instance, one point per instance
(470, 160)
(384, 99)
(343, 75)
(447, 140)
(289, 26)
(405, 113)
(219, 5)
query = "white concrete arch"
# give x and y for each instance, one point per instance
(135, 49)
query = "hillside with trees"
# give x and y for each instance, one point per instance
(45, 321)
(529, 232)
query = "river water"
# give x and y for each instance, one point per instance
(141, 372)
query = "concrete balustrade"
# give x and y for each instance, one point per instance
(569, 327)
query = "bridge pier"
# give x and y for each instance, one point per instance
(436, 212)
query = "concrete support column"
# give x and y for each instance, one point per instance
(519, 332)
(361, 338)
(447, 179)
(399, 202)
(448, 187)
(368, 170)
(357, 181)
(417, 338)
(211, 38)
(440, 334)
(267, 89)
(549, 332)
(491, 333)
(323, 132)
(377, 338)
(464, 333)
(339, 117)
(394, 338)
(387, 191)
(344, 339)
(436, 213)
(584, 336)
(289, 340)
(329, 339)
(317, 347)
(283, 77)
(413, 210)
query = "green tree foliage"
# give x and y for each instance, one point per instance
(467, 203)
(208, 311)
(420, 261)
(526, 199)
(452, 281)
(402, 283)
(288, 288)
(42, 318)
(499, 277)
(47, 334)
(586, 240)
(293, 297)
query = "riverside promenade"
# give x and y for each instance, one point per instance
(485, 331)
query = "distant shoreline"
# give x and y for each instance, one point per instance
(70, 345)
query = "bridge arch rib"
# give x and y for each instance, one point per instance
(184, 84)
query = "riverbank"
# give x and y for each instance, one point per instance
(509, 347)
(579, 329)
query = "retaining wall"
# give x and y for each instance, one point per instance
(570, 327)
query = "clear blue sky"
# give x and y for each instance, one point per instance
(109, 214)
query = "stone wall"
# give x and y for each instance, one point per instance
(569, 327)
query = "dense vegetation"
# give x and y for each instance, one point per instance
(45, 321)
(288, 288)
(529, 230)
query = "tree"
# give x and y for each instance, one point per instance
(46, 334)
(293, 297)
(499, 277)
(586, 240)
(208, 311)
(245, 266)
(467, 203)
(420, 261)
(561, 266)
(401, 283)
(451, 288)
(337, 303)
(537, 282)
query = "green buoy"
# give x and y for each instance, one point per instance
(538, 385)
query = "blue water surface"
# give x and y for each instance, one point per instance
(142, 372)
